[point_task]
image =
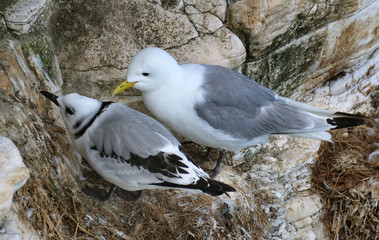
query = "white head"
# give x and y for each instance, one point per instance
(76, 110)
(149, 70)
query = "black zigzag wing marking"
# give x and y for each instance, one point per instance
(212, 187)
(168, 165)
(103, 107)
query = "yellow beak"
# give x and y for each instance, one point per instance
(123, 86)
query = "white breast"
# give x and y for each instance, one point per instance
(174, 104)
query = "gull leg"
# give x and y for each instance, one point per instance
(216, 170)
(187, 142)
(109, 193)
(208, 155)
(128, 195)
(99, 194)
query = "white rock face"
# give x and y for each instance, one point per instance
(98, 52)
(282, 170)
(304, 44)
(207, 16)
(114, 33)
(15, 229)
(222, 48)
(264, 20)
(12, 81)
(215, 7)
(205, 22)
(21, 15)
(299, 209)
(356, 90)
(13, 174)
(350, 43)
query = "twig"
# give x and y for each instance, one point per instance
(76, 215)
(51, 224)
(60, 219)
(82, 229)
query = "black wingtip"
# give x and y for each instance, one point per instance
(344, 120)
(217, 188)
(224, 188)
(51, 97)
(206, 185)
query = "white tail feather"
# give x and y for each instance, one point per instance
(308, 108)
(325, 136)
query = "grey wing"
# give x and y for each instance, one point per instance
(243, 108)
(123, 131)
(138, 152)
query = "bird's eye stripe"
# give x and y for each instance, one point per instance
(145, 74)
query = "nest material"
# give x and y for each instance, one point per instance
(57, 209)
(348, 182)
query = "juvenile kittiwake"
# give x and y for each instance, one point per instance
(220, 108)
(130, 149)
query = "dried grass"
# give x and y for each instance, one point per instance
(349, 184)
(62, 211)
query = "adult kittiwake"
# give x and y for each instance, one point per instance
(217, 107)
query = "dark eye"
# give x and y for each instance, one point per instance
(145, 74)
(69, 110)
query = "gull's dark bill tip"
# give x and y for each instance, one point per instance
(51, 97)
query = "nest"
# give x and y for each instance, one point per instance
(346, 176)
(57, 209)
